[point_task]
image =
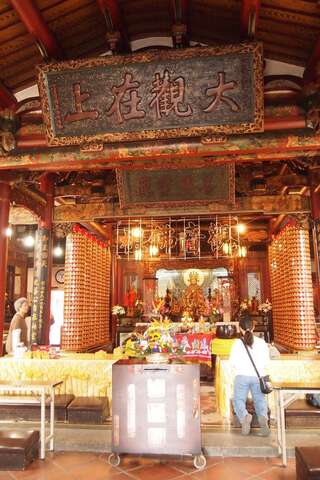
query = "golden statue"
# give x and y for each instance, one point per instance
(193, 300)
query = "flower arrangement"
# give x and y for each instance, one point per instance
(118, 310)
(156, 339)
(245, 305)
(265, 307)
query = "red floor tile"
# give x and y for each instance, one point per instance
(156, 472)
(279, 473)
(70, 459)
(5, 476)
(98, 469)
(221, 471)
(253, 466)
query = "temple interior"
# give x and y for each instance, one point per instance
(159, 206)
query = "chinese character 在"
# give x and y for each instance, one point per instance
(218, 94)
(169, 96)
(126, 100)
(79, 113)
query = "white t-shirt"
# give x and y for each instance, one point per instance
(240, 360)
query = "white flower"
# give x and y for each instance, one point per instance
(118, 310)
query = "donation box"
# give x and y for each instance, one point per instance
(155, 408)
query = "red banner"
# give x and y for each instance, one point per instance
(195, 346)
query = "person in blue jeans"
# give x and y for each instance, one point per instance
(246, 378)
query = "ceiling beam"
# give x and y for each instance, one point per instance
(249, 18)
(23, 197)
(266, 204)
(116, 32)
(310, 72)
(7, 99)
(179, 14)
(37, 27)
(22, 216)
(192, 152)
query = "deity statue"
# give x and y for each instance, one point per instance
(193, 300)
(130, 301)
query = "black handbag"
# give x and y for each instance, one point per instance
(265, 382)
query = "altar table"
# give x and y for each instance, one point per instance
(83, 375)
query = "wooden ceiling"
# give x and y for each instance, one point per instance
(289, 29)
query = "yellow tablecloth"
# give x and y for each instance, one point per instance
(82, 376)
(221, 346)
(284, 369)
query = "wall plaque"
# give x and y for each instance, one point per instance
(154, 95)
(173, 187)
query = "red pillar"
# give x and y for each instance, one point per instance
(4, 222)
(315, 211)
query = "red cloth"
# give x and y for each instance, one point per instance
(196, 346)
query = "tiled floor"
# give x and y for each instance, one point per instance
(91, 466)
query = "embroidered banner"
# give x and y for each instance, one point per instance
(154, 95)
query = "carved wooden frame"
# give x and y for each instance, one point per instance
(145, 57)
(177, 203)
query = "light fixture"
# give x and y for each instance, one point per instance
(176, 238)
(137, 232)
(242, 251)
(241, 227)
(28, 241)
(9, 232)
(58, 251)
(153, 250)
(138, 254)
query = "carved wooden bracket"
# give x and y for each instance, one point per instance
(8, 127)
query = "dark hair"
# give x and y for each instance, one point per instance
(246, 324)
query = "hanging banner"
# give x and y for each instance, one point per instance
(154, 95)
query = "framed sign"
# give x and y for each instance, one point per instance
(174, 187)
(154, 95)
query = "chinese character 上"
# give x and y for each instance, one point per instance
(169, 96)
(126, 109)
(218, 93)
(79, 114)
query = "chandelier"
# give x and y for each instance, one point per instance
(180, 238)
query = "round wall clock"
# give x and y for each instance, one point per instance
(59, 276)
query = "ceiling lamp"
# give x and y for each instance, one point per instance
(241, 227)
(137, 232)
(9, 232)
(153, 250)
(58, 251)
(28, 241)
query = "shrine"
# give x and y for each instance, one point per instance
(159, 205)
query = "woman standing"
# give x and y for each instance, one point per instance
(18, 331)
(246, 378)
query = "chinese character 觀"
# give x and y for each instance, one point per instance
(169, 96)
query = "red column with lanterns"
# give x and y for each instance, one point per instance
(4, 222)
(315, 210)
(41, 298)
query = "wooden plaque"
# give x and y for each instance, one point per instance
(154, 95)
